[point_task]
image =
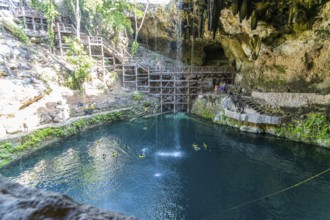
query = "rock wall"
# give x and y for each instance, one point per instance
(273, 57)
(292, 100)
(18, 202)
(270, 59)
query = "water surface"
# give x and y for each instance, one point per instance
(102, 167)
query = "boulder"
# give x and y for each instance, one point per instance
(4, 71)
(18, 202)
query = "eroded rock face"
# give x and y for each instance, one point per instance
(270, 58)
(18, 202)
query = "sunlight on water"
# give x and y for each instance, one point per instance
(170, 154)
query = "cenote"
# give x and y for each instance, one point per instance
(229, 178)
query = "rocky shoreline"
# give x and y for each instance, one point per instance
(19, 202)
(311, 127)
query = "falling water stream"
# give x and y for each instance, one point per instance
(176, 181)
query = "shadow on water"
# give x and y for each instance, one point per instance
(190, 169)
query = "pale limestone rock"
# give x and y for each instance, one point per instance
(2, 131)
(13, 125)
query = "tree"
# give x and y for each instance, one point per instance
(50, 12)
(113, 14)
(75, 7)
(138, 14)
(82, 63)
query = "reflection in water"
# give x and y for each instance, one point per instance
(173, 181)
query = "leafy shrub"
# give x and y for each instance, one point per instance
(137, 96)
(82, 64)
(315, 127)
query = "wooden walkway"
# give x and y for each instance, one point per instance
(176, 87)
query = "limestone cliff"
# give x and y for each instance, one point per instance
(275, 55)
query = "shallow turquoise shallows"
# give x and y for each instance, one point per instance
(177, 167)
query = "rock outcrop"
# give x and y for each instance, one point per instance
(274, 57)
(19, 202)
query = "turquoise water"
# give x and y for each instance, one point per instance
(102, 167)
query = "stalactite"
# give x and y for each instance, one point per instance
(243, 10)
(201, 24)
(235, 6)
(218, 5)
(254, 20)
(290, 17)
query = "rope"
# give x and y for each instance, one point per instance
(272, 194)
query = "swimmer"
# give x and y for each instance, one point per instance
(114, 154)
(205, 146)
(141, 156)
(195, 146)
(145, 128)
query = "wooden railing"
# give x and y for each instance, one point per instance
(67, 28)
(27, 12)
(193, 70)
(95, 40)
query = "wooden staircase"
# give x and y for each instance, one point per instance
(175, 87)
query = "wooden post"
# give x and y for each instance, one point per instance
(103, 66)
(123, 69)
(148, 80)
(136, 77)
(24, 20)
(175, 90)
(42, 24)
(33, 24)
(161, 93)
(188, 95)
(59, 38)
(89, 46)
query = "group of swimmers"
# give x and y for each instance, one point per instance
(196, 148)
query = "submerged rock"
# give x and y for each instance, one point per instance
(18, 202)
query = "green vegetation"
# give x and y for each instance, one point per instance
(315, 127)
(136, 96)
(134, 48)
(49, 10)
(16, 31)
(82, 64)
(39, 138)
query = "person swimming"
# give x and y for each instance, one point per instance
(141, 156)
(195, 146)
(205, 146)
(114, 154)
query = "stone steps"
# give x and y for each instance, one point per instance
(138, 112)
(247, 101)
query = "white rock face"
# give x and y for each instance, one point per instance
(16, 92)
(292, 100)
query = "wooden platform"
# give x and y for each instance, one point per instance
(175, 86)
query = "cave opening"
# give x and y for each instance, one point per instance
(215, 55)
